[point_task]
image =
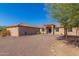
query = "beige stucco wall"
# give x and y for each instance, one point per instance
(28, 30)
(46, 30)
(73, 32)
(20, 31)
(43, 32)
(52, 30)
(61, 31)
(13, 31)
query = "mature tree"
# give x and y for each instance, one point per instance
(66, 14)
(75, 16)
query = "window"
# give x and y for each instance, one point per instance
(70, 30)
(57, 29)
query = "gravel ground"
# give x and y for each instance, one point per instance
(35, 45)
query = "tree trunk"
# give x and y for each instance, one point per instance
(65, 32)
(77, 31)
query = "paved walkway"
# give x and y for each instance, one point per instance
(35, 45)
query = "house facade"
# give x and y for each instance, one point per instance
(53, 29)
(24, 29)
(58, 30)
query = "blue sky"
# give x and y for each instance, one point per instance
(29, 13)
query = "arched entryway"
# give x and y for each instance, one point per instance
(49, 29)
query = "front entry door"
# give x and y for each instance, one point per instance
(49, 30)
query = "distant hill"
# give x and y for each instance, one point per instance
(2, 27)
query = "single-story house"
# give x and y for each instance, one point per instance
(58, 30)
(24, 29)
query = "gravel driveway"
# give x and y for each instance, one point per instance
(35, 45)
(26, 45)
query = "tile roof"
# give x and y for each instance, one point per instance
(23, 25)
(26, 25)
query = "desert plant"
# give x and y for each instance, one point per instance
(4, 33)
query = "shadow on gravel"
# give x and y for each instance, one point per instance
(72, 40)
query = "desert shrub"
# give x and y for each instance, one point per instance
(4, 33)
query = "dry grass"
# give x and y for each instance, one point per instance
(4, 33)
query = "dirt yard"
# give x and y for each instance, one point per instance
(35, 45)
